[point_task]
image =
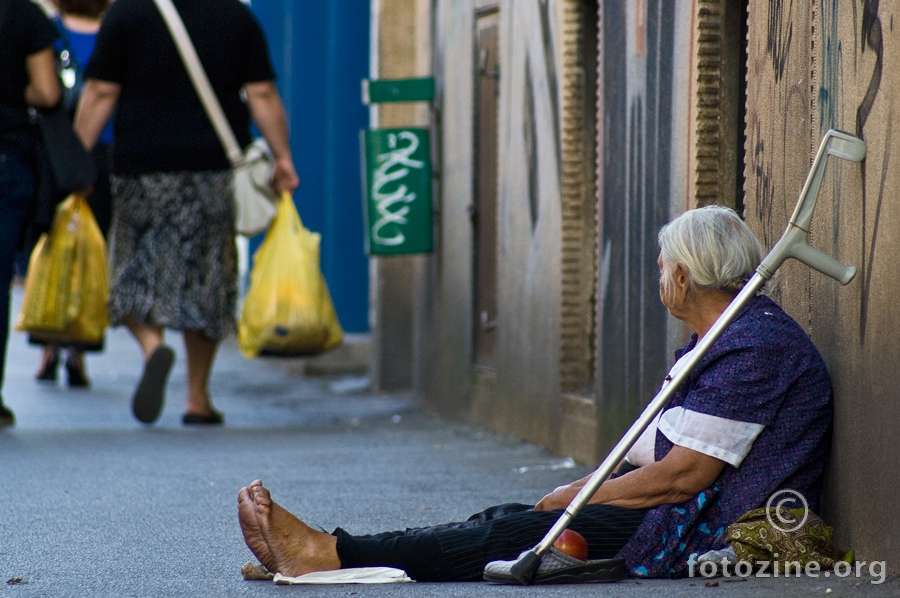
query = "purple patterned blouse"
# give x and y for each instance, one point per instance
(764, 369)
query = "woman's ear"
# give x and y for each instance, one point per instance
(680, 277)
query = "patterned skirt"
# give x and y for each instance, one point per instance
(173, 260)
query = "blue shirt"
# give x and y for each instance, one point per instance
(82, 46)
(764, 369)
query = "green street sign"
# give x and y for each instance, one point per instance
(397, 90)
(398, 208)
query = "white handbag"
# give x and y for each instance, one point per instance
(254, 198)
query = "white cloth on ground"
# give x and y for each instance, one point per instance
(353, 575)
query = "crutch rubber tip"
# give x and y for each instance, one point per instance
(524, 569)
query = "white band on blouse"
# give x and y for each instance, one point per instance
(726, 439)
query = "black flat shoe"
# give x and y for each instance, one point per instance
(151, 390)
(47, 373)
(6, 416)
(75, 372)
(192, 419)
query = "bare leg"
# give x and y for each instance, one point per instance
(50, 353)
(292, 548)
(200, 354)
(49, 362)
(149, 336)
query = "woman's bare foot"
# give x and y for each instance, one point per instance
(292, 547)
(250, 528)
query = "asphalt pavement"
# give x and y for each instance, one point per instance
(93, 503)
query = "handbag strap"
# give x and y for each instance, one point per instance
(200, 81)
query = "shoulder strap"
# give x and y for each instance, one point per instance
(199, 79)
(64, 40)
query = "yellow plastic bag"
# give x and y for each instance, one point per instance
(67, 286)
(288, 309)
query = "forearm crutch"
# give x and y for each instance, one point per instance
(793, 244)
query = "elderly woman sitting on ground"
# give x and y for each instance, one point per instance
(752, 418)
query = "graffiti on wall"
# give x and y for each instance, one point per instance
(778, 40)
(871, 40)
(829, 39)
(769, 68)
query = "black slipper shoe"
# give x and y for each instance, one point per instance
(75, 372)
(193, 419)
(151, 390)
(558, 567)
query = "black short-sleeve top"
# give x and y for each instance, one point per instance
(24, 30)
(160, 124)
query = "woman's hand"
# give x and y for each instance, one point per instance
(284, 176)
(681, 475)
(558, 499)
(563, 495)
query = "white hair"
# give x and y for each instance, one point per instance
(716, 247)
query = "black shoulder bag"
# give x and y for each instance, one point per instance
(63, 165)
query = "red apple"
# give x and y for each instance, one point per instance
(573, 544)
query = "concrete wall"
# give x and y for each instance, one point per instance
(815, 66)
(444, 373)
(529, 222)
(521, 393)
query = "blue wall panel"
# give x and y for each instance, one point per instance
(320, 51)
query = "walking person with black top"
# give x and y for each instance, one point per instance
(27, 78)
(78, 22)
(172, 250)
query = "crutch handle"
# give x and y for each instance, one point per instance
(824, 263)
(795, 243)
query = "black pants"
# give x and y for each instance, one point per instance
(16, 194)
(459, 551)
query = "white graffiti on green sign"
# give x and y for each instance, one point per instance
(393, 167)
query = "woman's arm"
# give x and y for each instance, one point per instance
(679, 476)
(95, 108)
(267, 112)
(42, 90)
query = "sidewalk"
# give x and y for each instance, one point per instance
(96, 504)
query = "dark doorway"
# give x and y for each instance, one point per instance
(635, 196)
